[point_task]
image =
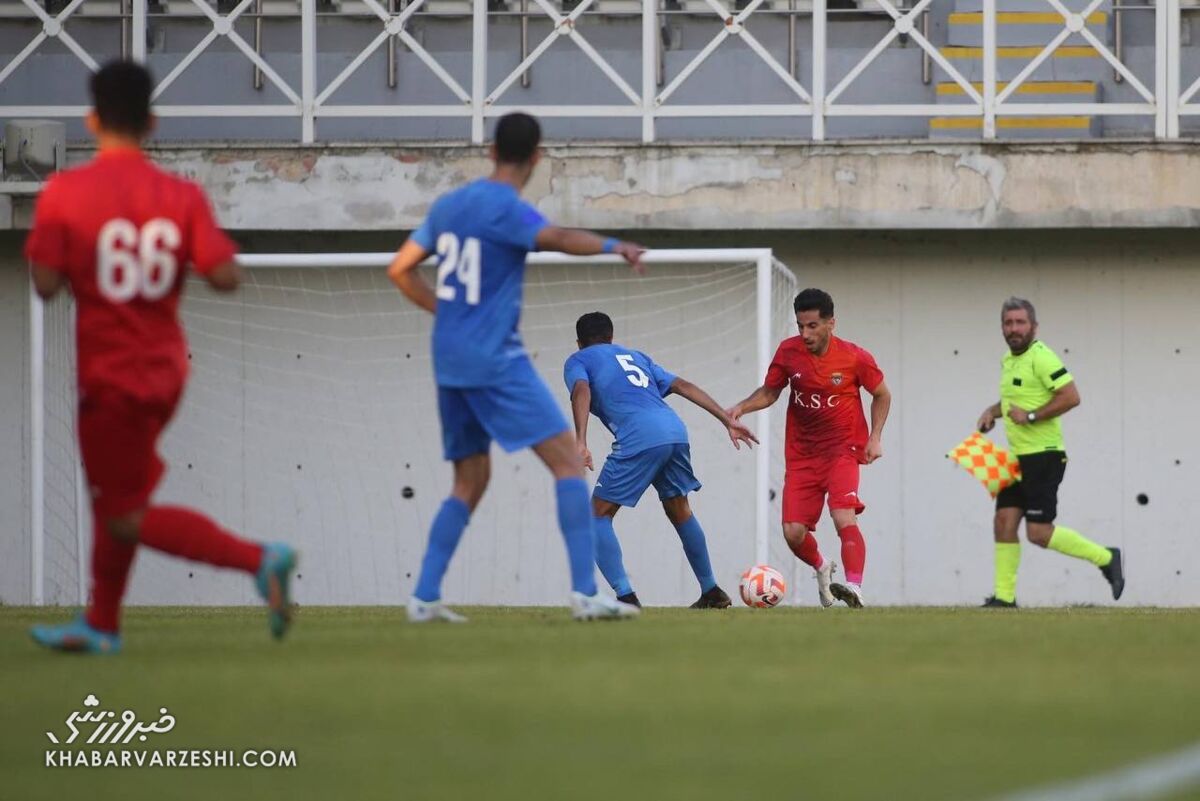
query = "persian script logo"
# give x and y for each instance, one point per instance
(107, 727)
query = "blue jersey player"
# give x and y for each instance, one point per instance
(625, 389)
(487, 386)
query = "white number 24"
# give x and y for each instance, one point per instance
(461, 262)
(636, 375)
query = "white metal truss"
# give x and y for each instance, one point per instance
(1185, 100)
(222, 25)
(734, 25)
(1076, 23)
(52, 28)
(903, 24)
(1168, 97)
(394, 25)
(566, 26)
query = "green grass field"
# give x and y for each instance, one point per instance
(524, 704)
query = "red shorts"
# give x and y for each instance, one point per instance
(118, 438)
(808, 481)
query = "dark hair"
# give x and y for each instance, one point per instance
(121, 95)
(818, 299)
(593, 327)
(517, 138)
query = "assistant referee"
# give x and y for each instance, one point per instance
(1035, 391)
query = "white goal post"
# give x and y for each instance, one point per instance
(690, 284)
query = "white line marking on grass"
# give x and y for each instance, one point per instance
(1151, 778)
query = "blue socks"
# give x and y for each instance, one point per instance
(585, 549)
(444, 535)
(608, 556)
(575, 520)
(692, 537)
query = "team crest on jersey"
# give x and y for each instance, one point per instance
(836, 378)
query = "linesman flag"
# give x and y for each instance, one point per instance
(994, 467)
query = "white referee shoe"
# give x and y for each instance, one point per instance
(824, 576)
(600, 607)
(849, 594)
(430, 612)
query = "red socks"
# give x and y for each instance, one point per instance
(182, 532)
(111, 563)
(808, 552)
(170, 529)
(854, 553)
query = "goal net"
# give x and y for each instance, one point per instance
(311, 417)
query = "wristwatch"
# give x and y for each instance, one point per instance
(1032, 417)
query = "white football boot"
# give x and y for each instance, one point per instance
(824, 576)
(849, 594)
(600, 607)
(430, 612)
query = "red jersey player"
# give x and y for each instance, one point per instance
(121, 234)
(827, 438)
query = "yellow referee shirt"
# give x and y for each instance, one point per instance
(1030, 381)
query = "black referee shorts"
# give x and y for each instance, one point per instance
(1036, 494)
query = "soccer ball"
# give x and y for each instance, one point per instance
(762, 586)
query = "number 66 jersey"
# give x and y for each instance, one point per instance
(123, 233)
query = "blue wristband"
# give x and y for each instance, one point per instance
(609, 245)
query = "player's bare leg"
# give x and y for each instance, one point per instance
(854, 556)
(609, 558)
(804, 545)
(561, 456)
(471, 477)
(679, 512)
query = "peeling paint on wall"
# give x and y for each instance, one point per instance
(715, 186)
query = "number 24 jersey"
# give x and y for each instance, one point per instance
(123, 232)
(481, 233)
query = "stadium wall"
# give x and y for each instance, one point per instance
(1118, 305)
(713, 186)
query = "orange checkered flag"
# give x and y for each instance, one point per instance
(994, 467)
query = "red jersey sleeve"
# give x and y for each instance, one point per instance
(778, 374)
(210, 247)
(869, 374)
(46, 244)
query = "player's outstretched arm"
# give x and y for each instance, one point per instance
(225, 277)
(881, 403)
(760, 398)
(404, 274)
(581, 405)
(46, 282)
(738, 432)
(987, 420)
(585, 243)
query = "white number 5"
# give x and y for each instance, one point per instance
(130, 262)
(636, 375)
(464, 265)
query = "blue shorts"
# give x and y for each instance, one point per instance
(517, 413)
(623, 479)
